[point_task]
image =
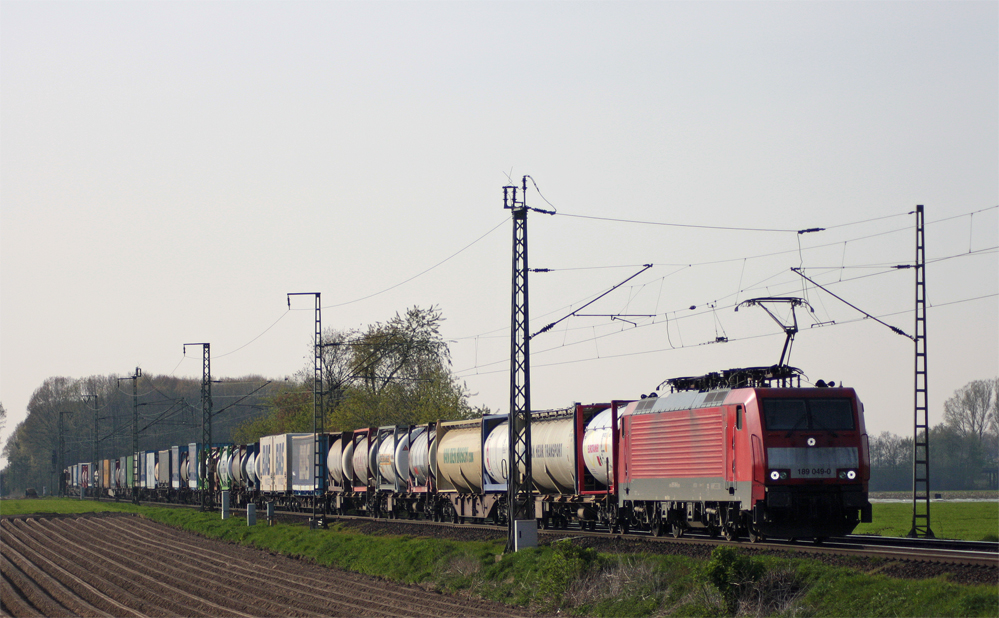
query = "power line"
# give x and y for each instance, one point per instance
(420, 274)
(468, 373)
(684, 225)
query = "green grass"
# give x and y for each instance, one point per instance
(969, 521)
(62, 505)
(564, 578)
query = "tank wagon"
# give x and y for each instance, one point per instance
(728, 453)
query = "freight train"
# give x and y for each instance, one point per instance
(727, 453)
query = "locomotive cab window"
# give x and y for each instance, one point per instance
(738, 417)
(808, 414)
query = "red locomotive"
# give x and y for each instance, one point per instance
(770, 462)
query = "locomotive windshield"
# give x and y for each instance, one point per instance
(808, 414)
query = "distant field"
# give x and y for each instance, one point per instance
(969, 521)
(977, 494)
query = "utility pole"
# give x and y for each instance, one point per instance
(93, 487)
(135, 433)
(520, 502)
(207, 491)
(318, 421)
(921, 444)
(62, 452)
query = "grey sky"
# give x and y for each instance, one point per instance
(171, 170)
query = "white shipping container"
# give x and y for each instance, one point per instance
(163, 471)
(301, 449)
(265, 463)
(149, 471)
(193, 464)
(175, 467)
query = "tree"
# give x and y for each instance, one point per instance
(402, 350)
(401, 375)
(3, 417)
(957, 459)
(393, 373)
(891, 462)
(971, 411)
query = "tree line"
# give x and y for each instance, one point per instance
(964, 448)
(396, 372)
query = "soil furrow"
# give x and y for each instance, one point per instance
(244, 572)
(114, 584)
(114, 563)
(33, 589)
(358, 584)
(174, 564)
(50, 582)
(13, 602)
(139, 574)
(97, 590)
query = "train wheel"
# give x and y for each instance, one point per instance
(730, 533)
(676, 530)
(713, 532)
(819, 540)
(657, 528)
(754, 535)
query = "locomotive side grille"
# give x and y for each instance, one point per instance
(686, 445)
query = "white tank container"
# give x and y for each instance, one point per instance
(360, 461)
(334, 461)
(251, 469)
(458, 459)
(184, 469)
(598, 453)
(235, 470)
(496, 453)
(374, 441)
(222, 467)
(386, 458)
(553, 464)
(347, 461)
(419, 456)
(402, 454)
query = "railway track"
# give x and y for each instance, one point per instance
(973, 553)
(946, 551)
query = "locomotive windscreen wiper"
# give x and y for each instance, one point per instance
(815, 421)
(795, 427)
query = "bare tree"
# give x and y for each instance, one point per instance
(994, 412)
(971, 411)
(890, 451)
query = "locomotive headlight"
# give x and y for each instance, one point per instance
(811, 442)
(847, 475)
(779, 475)
(775, 475)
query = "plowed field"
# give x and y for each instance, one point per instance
(129, 566)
